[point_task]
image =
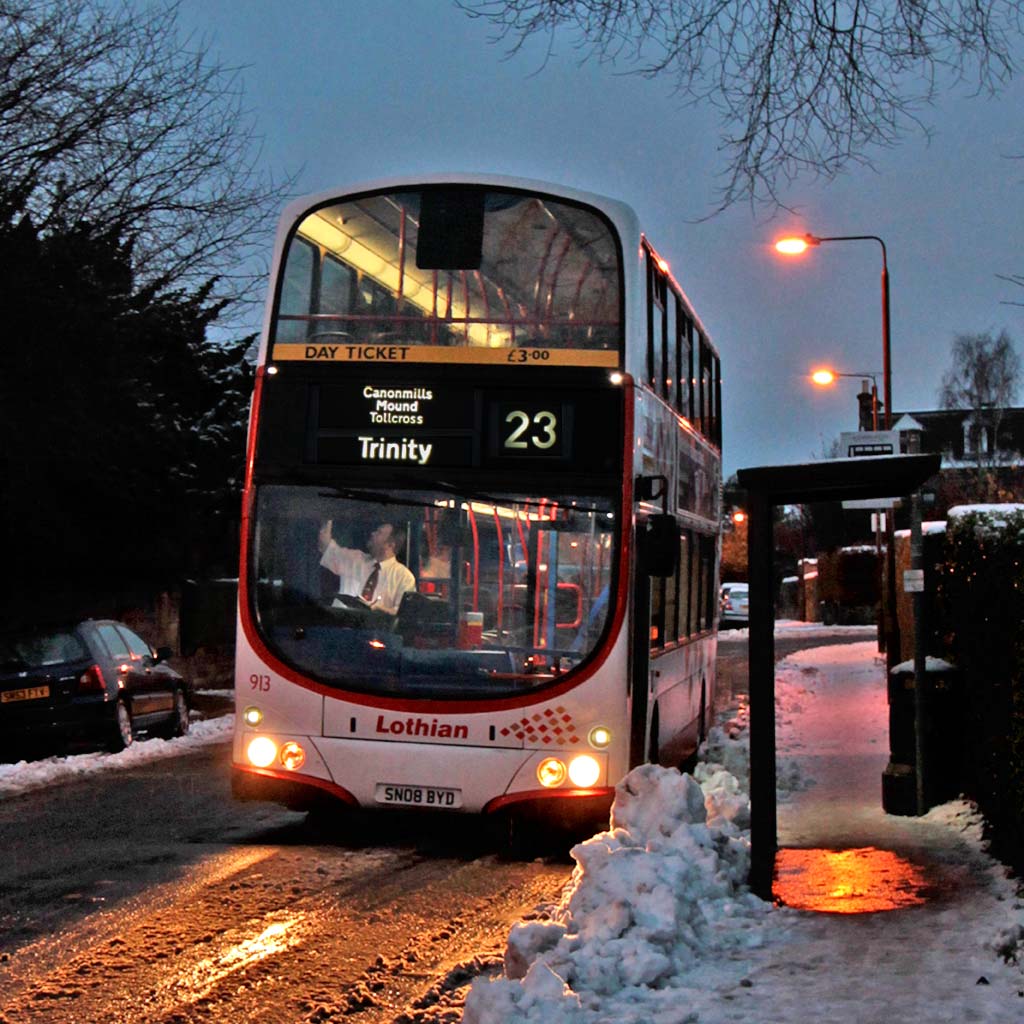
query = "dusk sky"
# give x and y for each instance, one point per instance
(345, 91)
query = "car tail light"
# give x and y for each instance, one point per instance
(92, 681)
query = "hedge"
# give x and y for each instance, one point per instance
(981, 591)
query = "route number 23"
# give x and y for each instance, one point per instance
(537, 431)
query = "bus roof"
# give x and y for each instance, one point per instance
(621, 215)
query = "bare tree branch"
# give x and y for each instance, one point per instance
(802, 86)
(108, 117)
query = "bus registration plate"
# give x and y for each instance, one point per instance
(417, 796)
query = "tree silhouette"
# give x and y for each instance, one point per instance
(124, 428)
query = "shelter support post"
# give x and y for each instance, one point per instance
(760, 553)
(767, 486)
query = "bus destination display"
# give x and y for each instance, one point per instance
(374, 423)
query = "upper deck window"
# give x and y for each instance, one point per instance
(452, 275)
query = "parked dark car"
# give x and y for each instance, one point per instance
(93, 680)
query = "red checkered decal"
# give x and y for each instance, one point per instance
(552, 725)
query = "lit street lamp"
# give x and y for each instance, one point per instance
(797, 246)
(825, 378)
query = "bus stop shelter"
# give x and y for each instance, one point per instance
(887, 476)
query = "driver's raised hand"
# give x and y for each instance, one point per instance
(325, 534)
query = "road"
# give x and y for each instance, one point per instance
(148, 895)
(732, 666)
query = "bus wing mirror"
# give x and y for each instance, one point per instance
(659, 545)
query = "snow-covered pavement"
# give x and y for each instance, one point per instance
(22, 776)
(654, 927)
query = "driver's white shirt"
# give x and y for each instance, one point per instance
(353, 568)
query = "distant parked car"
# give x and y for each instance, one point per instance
(734, 604)
(95, 680)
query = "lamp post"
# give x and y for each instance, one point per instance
(826, 378)
(795, 246)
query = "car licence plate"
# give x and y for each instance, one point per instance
(29, 693)
(417, 796)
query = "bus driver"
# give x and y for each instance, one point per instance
(375, 576)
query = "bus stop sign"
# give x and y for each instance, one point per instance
(860, 444)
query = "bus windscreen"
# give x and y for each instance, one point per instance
(451, 275)
(431, 594)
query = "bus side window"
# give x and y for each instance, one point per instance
(686, 366)
(716, 433)
(657, 612)
(335, 288)
(693, 622)
(657, 290)
(683, 578)
(672, 314)
(706, 390)
(672, 606)
(704, 566)
(296, 292)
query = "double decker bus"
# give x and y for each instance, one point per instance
(491, 395)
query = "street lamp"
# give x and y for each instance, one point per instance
(825, 377)
(797, 245)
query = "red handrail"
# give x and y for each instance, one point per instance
(501, 573)
(575, 624)
(476, 559)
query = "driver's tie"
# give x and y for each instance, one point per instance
(371, 583)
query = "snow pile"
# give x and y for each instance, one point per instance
(650, 902)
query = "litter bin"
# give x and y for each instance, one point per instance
(942, 743)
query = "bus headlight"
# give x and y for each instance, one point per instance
(293, 757)
(262, 752)
(252, 716)
(551, 772)
(599, 737)
(584, 771)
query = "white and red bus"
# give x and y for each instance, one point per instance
(503, 379)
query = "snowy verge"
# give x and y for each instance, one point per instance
(26, 775)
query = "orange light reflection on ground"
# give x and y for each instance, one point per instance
(862, 881)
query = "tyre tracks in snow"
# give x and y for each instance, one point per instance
(284, 934)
